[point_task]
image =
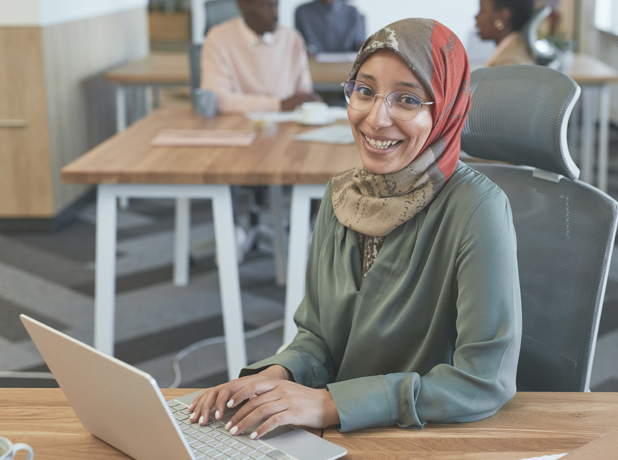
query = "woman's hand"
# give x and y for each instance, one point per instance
(280, 402)
(220, 395)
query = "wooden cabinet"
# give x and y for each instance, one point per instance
(55, 106)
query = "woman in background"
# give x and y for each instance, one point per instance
(412, 311)
(502, 21)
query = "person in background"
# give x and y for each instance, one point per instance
(502, 21)
(330, 26)
(252, 63)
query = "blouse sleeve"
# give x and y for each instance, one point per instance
(307, 357)
(482, 376)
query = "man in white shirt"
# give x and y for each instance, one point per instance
(252, 63)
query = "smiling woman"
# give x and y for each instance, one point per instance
(412, 310)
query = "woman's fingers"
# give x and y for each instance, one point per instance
(282, 418)
(200, 408)
(265, 410)
(255, 388)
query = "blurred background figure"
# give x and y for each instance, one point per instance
(253, 63)
(330, 26)
(502, 22)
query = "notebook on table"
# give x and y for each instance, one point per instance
(124, 407)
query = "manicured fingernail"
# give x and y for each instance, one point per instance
(192, 416)
(234, 430)
(228, 425)
(253, 435)
(201, 420)
(217, 415)
(230, 403)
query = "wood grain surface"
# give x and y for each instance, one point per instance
(588, 70)
(173, 67)
(155, 68)
(273, 158)
(531, 424)
(25, 178)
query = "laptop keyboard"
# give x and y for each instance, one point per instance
(212, 441)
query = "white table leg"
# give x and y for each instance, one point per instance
(105, 276)
(589, 99)
(121, 109)
(298, 252)
(276, 203)
(605, 99)
(229, 281)
(182, 236)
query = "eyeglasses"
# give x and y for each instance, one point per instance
(401, 105)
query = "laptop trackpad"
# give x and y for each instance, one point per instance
(302, 445)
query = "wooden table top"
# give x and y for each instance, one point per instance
(531, 424)
(163, 68)
(173, 67)
(273, 158)
(587, 70)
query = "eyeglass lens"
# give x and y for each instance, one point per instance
(401, 104)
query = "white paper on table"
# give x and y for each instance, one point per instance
(335, 57)
(199, 137)
(546, 457)
(335, 113)
(335, 134)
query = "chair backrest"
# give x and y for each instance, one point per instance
(544, 53)
(565, 228)
(218, 11)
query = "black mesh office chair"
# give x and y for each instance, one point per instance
(565, 228)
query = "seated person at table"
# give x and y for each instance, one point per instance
(412, 311)
(330, 26)
(502, 21)
(252, 63)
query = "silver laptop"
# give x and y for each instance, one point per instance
(124, 407)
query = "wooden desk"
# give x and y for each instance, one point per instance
(595, 78)
(172, 69)
(151, 72)
(126, 165)
(531, 424)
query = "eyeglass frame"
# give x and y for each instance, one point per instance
(388, 107)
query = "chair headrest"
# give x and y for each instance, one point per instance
(543, 51)
(519, 114)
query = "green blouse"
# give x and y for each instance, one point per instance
(433, 333)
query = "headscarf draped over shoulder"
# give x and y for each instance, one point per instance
(375, 204)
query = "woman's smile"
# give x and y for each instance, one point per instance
(382, 145)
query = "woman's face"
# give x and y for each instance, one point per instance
(486, 19)
(385, 72)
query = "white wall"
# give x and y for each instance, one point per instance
(49, 12)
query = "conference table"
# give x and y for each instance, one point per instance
(530, 425)
(127, 165)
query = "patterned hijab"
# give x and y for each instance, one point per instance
(375, 204)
